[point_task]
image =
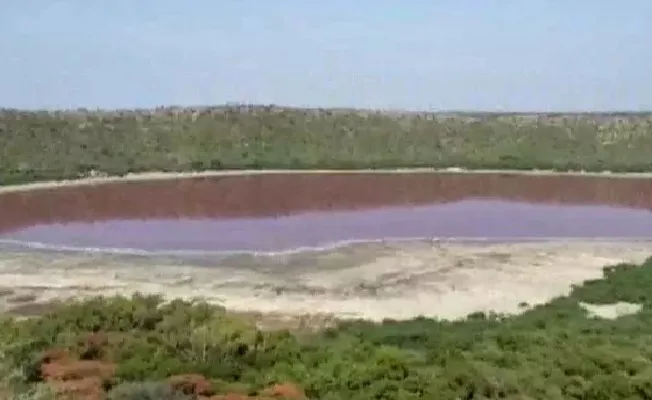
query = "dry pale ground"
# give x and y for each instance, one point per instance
(397, 280)
(373, 281)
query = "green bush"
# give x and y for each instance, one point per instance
(39, 391)
(551, 351)
(67, 144)
(145, 391)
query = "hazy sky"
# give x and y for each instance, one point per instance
(417, 54)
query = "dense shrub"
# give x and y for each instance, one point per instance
(145, 391)
(54, 145)
(553, 351)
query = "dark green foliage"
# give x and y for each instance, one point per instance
(553, 351)
(145, 391)
(54, 145)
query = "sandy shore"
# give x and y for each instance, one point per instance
(148, 176)
(371, 281)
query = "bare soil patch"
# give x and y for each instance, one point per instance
(371, 281)
(611, 311)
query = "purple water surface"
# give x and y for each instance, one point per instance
(468, 219)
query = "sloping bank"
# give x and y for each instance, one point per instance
(136, 346)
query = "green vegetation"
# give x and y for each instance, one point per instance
(141, 348)
(553, 351)
(43, 145)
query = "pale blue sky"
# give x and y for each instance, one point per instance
(417, 54)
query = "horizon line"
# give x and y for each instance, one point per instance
(385, 110)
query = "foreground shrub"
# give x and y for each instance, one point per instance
(552, 351)
(145, 391)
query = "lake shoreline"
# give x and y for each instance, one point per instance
(99, 178)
